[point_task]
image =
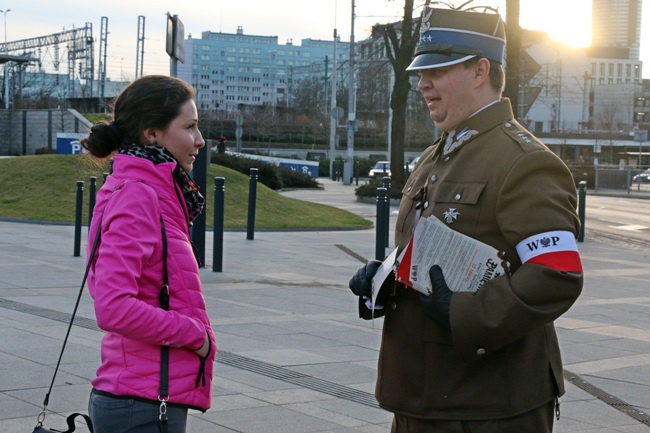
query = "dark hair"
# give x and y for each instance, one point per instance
(497, 74)
(151, 101)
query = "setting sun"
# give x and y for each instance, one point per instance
(567, 21)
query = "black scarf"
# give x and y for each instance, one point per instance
(157, 155)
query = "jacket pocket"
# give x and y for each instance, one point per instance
(458, 204)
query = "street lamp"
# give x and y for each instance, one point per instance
(6, 97)
(5, 14)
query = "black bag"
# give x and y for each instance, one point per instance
(71, 427)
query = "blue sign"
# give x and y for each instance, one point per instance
(68, 143)
(308, 168)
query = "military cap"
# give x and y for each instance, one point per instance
(448, 37)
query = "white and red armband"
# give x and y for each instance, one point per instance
(557, 250)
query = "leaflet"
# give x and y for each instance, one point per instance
(387, 266)
(465, 262)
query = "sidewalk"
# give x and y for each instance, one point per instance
(294, 357)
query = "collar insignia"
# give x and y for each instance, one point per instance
(454, 141)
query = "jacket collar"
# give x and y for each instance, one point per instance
(481, 122)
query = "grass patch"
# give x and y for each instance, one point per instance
(43, 188)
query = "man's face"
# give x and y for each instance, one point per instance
(449, 94)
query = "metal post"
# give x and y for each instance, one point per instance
(217, 241)
(582, 195)
(252, 197)
(380, 233)
(387, 211)
(352, 121)
(6, 82)
(91, 198)
(333, 119)
(24, 134)
(78, 216)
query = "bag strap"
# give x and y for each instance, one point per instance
(163, 395)
(41, 416)
(71, 425)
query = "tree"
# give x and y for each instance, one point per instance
(399, 50)
(513, 52)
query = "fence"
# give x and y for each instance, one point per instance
(622, 181)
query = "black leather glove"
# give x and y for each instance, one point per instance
(361, 282)
(436, 305)
(361, 285)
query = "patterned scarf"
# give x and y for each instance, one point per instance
(157, 155)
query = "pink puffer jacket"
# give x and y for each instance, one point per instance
(125, 282)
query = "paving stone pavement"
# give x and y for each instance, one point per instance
(293, 356)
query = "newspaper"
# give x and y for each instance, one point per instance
(465, 262)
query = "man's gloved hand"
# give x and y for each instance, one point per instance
(436, 305)
(361, 282)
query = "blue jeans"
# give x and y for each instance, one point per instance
(126, 415)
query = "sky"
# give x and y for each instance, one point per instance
(568, 21)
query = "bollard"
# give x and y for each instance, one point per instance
(78, 216)
(380, 233)
(252, 198)
(387, 228)
(356, 172)
(582, 195)
(91, 198)
(217, 239)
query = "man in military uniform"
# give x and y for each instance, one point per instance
(485, 361)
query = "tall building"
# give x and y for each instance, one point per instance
(617, 24)
(232, 69)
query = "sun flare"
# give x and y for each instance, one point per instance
(567, 21)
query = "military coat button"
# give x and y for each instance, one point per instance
(434, 178)
(457, 197)
(393, 306)
(481, 352)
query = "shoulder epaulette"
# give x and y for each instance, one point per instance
(518, 133)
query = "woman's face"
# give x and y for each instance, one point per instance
(182, 137)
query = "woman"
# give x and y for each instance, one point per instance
(154, 138)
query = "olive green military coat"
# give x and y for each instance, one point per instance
(492, 180)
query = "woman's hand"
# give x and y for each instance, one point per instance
(205, 349)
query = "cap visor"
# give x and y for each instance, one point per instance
(437, 60)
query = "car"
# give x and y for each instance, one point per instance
(381, 169)
(642, 177)
(411, 165)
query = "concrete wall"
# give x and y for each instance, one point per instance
(22, 132)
